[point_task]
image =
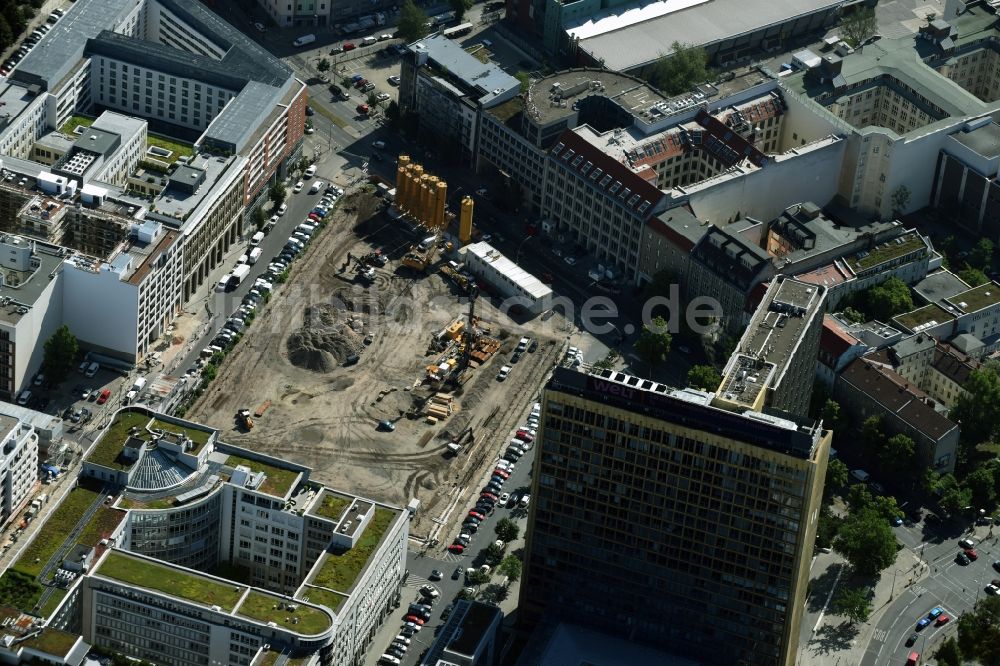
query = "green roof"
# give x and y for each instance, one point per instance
(279, 479)
(332, 505)
(52, 641)
(976, 299)
(323, 597)
(887, 252)
(170, 580)
(108, 448)
(924, 315)
(303, 620)
(199, 436)
(339, 570)
(60, 523)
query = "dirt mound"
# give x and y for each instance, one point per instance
(324, 341)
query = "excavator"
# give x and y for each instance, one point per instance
(243, 417)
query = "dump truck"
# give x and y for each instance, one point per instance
(243, 416)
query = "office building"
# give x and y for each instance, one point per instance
(470, 637)
(627, 36)
(447, 88)
(18, 465)
(652, 504)
(200, 552)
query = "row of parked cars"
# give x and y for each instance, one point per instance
(492, 493)
(31, 40)
(417, 614)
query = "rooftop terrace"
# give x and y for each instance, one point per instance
(339, 570)
(331, 505)
(279, 479)
(983, 296)
(107, 451)
(891, 249)
(926, 317)
(170, 580)
(265, 607)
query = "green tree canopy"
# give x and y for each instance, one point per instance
(278, 192)
(836, 475)
(525, 80)
(704, 377)
(477, 577)
(858, 26)
(323, 65)
(885, 301)
(953, 497)
(510, 567)
(653, 343)
(866, 541)
(412, 22)
(853, 602)
(900, 200)
(982, 485)
(949, 654)
(60, 354)
(979, 632)
(899, 451)
(684, 68)
(981, 255)
(6, 34)
(493, 554)
(972, 276)
(827, 527)
(832, 416)
(460, 7)
(853, 315)
(507, 530)
(976, 408)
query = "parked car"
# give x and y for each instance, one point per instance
(504, 499)
(103, 398)
(971, 554)
(457, 573)
(965, 544)
(962, 559)
(456, 548)
(942, 620)
(298, 187)
(914, 637)
(435, 575)
(935, 612)
(922, 624)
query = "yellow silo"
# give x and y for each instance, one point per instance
(424, 206)
(465, 222)
(440, 200)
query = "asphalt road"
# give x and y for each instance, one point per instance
(420, 566)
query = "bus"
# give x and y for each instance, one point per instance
(458, 30)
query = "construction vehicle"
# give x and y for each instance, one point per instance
(418, 259)
(462, 282)
(243, 416)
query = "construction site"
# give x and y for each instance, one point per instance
(376, 363)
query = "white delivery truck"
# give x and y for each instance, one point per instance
(257, 239)
(254, 255)
(239, 274)
(304, 39)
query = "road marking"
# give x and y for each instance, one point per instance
(826, 603)
(881, 635)
(918, 590)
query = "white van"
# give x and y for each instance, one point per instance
(427, 242)
(401, 639)
(282, 208)
(861, 475)
(92, 369)
(316, 186)
(24, 397)
(310, 171)
(257, 238)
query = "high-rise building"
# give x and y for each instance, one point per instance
(671, 521)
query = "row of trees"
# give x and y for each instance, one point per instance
(14, 17)
(882, 302)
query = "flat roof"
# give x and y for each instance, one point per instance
(473, 627)
(62, 47)
(774, 334)
(487, 78)
(23, 287)
(504, 266)
(925, 317)
(278, 480)
(684, 408)
(566, 644)
(178, 204)
(940, 285)
(632, 94)
(622, 45)
(887, 251)
(983, 140)
(339, 570)
(984, 296)
(15, 98)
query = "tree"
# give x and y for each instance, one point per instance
(832, 418)
(511, 568)
(900, 199)
(827, 527)
(15, 19)
(899, 451)
(678, 72)
(972, 276)
(525, 80)
(979, 632)
(859, 26)
(836, 475)
(704, 377)
(852, 315)
(981, 255)
(412, 22)
(60, 354)
(866, 541)
(949, 654)
(871, 434)
(460, 7)
(6, 34)
(477, 577)
(257, 219)
(323, 65)
(854, 602)
(277, 194)
(493, 554)
(859, 497)
(653, 343)
(975, 408)
(981, 483)
(954, 498)
(507, 530)
(886, 300)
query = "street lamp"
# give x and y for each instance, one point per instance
(517, 256)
